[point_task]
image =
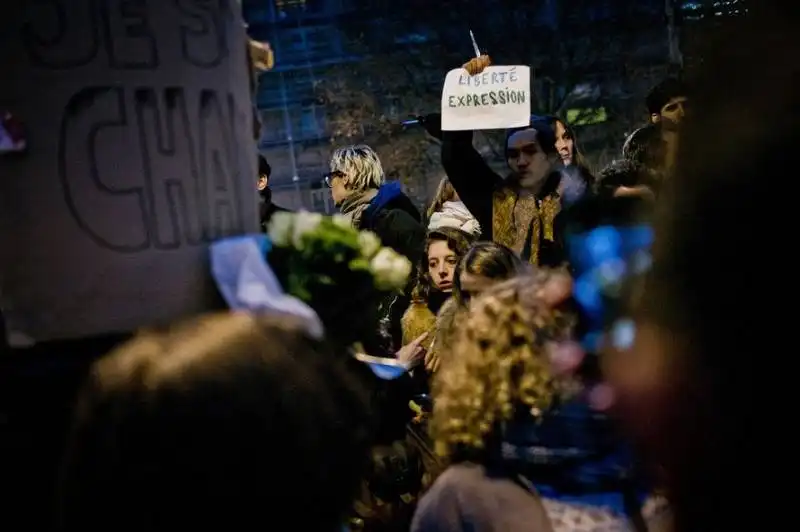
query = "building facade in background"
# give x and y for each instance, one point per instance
(700, 20)
(304, 37)
(593, 62)
(697, 10)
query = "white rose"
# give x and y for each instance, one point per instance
(342, 221)
(401, 271)
(280, 228)
(391, 270)
(369, 243)
(304, 223)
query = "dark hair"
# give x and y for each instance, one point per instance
(623, 173)
(578, 159)
(457, 240)
(263, 167)
(663, 92)
(225, 420)
(644, 146)
(545, 135)
(487, 259)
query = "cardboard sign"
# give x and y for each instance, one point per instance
(137, 118)
(497, 98)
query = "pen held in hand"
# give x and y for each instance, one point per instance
(474, 44)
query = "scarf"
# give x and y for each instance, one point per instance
(353, 206)
(455, 214)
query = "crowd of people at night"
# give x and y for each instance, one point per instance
(552, 348)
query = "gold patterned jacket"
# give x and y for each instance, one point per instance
(441, 326)
(505, 215)
(538, 215)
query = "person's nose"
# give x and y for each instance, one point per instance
(442, 271)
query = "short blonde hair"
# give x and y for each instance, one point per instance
(498, 364)
(361, 166)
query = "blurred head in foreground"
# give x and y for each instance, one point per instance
(499, 366)
(484, 265)
(701, 386)
(224, 421)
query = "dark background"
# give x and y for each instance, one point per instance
(614, 47)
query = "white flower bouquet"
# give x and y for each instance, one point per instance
(342, 273)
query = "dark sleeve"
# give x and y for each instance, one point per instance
(606, 184)
(555, 254)
(388, 402)
(398, 308)
(469, 174)
(400, 231)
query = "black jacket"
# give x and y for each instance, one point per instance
(266, 208)
(395, 219)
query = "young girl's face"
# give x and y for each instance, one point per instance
(565, 145)
(441, 265)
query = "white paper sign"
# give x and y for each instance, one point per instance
(139, 154)
(497, 98)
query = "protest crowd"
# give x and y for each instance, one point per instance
(557, 348)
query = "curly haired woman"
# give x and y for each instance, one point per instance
(526, 450)
(443, 250)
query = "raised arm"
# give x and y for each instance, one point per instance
(469, 174)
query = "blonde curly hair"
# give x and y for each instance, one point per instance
(499, 363)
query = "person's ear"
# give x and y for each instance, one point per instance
(655, 118)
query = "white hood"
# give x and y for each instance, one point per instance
(455, 214)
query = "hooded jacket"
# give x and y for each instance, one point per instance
(390, 214)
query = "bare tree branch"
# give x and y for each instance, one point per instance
(591, 61)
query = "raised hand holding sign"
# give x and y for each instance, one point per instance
(477, 64)
(481, 96)
(499, 97)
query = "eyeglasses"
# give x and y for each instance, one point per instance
(331, 176)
